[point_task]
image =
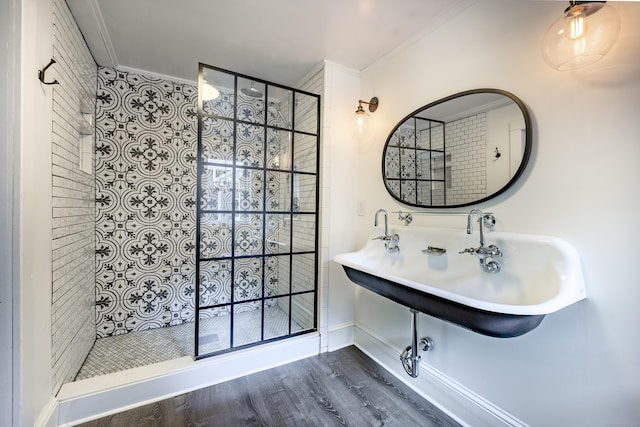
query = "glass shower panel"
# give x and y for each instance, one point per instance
(278, 191)
(276, 317)
(251, 97)
(408, 190)
(213, 331)
(248, 234)
(438, 193)
(302, 312)
(392, 163)
(437, 165)
(216, 188)
(215, 283)
(424, 192)
(305, 191)
(248, 279)
(279, 107)
(217, 93)
(437, 136)
(306, 113)
(215, 235)
(247, 323)
(257, 213)
(408, 163)
(302, 273)
(305, 153)
(278, 149)
(304, 232)
(423, 164)
(249, 189)
(278, 275)
(278, 234)
(250, 145)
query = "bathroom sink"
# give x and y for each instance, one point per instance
(539, 275)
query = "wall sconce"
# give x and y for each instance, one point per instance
(362, 127)
(581, 36)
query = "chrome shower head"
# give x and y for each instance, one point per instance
(252, 92)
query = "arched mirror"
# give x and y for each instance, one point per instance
(458, 151)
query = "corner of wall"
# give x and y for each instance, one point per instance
(338, 206)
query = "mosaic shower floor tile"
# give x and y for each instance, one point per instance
(140, 348)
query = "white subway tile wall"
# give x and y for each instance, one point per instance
(304, 269)
(466, 144)
(73, 314)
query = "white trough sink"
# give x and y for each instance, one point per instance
(539, 275)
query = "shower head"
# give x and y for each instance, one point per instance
(252, 92)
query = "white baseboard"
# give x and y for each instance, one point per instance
(97, 397)
(341, 336)
(49, 415)
(454, 399)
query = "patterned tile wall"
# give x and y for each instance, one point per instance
(145, 201)
(73, 245)
(146, 155)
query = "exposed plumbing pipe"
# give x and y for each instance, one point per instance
(410, 358)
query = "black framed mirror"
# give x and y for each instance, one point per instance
(458, 151)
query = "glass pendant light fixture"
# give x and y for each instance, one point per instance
(362, 125)
(584, 33)
(209, 92)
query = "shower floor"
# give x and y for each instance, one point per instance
(141, 348)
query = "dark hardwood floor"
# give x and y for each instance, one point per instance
(342, 388)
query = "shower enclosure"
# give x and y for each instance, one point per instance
(206, 216)
(257, 212)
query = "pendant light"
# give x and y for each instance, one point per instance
(584, 33)
(209, 92)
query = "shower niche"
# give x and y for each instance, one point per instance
(257, 211)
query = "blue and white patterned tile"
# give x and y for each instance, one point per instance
(248, 234)
(215, 235)
(249, 190)
(114, 319)
(215, 282)
(250, 145)
(247, 283)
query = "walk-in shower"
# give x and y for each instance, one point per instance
(207, 219)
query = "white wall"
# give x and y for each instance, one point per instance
(9, 79)
(35, 211)
(505, 127)
(340, 193)
(580, 366)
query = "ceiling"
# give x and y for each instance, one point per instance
(275, 40)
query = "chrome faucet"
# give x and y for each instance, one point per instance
(480, 215)
(484, 253)
(390, 242)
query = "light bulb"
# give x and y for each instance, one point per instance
(581, 36)
(362, 125)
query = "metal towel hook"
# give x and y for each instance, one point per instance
(44, 70)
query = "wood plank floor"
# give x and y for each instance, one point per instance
(342, 388)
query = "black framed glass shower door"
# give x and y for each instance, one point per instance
(257, 211)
